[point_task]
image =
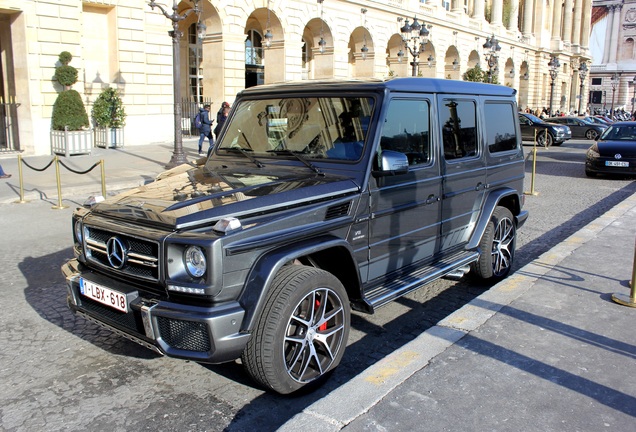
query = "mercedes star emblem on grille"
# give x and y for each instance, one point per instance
(117, 252)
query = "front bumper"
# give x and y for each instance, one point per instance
(203, 334)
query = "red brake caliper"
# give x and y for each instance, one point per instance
(323, 327)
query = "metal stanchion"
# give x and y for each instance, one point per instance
(21, 200)
(631, 299)
(534, 166)
(59, 205)
(103, 178)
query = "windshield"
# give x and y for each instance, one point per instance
(619, 133)
(314, 127)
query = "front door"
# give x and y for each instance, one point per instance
(405, 209)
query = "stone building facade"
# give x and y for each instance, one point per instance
(613, 73)
(125, 44)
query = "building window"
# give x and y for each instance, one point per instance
(597, 81)
(253, 48)
(195, 59)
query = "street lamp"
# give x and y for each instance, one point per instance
(416, 33)
(582, 74)
(491, 52)
(554, 65)
(614, 80)
(178, 156)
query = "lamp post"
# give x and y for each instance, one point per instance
(178, 156)
(418, 35)
(614, 80)
(491, 52)
(554, 65)
(582, 74)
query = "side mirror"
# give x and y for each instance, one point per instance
(392, 163)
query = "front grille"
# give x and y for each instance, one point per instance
(185, 335)
(142, 255)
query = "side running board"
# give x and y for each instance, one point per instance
(404, 284)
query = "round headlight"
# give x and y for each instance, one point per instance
(195, 262)
(78, 231)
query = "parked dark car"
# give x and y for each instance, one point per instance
(614, 152)
(557, 134)
(596, 120)
(580, 128)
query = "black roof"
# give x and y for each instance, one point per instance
(425, 85)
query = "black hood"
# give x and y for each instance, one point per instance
(188, 196)
(627, 149)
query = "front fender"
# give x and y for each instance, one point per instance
(262, 274)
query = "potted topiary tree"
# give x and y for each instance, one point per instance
(109, 116)
(70, 133)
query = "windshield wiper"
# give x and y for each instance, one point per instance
(297, 155)
(245, 153)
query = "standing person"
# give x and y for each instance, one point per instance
(221, 116)
(206, 128)
(3, 174)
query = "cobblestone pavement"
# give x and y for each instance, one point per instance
(60, 372)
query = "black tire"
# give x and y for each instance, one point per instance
(497, 247)
(591, 134)
(302, 332)
(545, 139)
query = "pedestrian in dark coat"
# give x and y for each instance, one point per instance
(206, 128)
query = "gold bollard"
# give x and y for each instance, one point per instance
(59, 205)
(103, 178)
(21, 200)
(622, 298)
(534, 166)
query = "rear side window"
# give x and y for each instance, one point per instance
(459, 129)
(500, 127)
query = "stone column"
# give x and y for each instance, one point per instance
(586, 23)
(556, 20)
(528, 14)
(567, 21)
(576, 31)
(615, 33)
(478, 10)
(514, 16)
(497, 12)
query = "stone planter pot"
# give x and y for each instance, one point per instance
(109, 137)
(71, 143)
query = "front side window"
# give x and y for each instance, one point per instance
(406, 130)
(459, 129)
(500, 129)
(313, 127)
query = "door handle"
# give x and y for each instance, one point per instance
(431, 199)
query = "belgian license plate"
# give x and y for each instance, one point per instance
(617, 164)
(103, 295)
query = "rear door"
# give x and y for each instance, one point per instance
(463, 169)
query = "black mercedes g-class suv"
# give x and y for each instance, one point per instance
(319, 198)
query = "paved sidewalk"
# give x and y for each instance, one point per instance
(544, 350)
(124, 167)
